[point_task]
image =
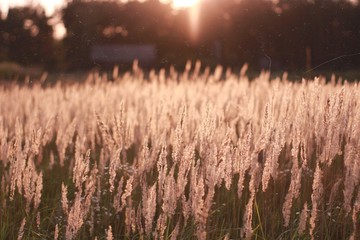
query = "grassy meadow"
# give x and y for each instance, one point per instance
(180, 155)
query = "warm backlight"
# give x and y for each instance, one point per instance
(184, 3)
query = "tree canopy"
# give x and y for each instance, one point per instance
(26, 36)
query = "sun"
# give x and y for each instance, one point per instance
(184, 3)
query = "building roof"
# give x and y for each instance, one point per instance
(126, 53)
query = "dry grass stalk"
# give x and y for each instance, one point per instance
(113, 167)
(109, 234)
(355, 218)
(117, 196)
(149, 208)
(303, 219)
(316, 198)
(21, 230)
(64, 199)
(56, 232)
(127, 193)
(293, 191)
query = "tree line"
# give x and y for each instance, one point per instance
(283, 35)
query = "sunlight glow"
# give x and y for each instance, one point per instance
(194, 14)
(184, 3)
(194, 18)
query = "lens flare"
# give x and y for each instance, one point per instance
(194, 18)
(193, 7)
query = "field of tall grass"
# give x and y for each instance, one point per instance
(180, 155)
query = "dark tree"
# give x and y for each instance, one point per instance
(26, 37)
